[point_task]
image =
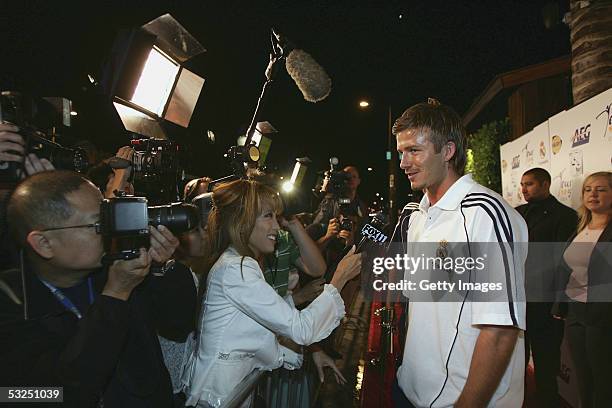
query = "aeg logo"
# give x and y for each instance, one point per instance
(581, 135)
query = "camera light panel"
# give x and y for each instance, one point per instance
(156, 82)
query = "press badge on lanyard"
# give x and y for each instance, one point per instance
(67, 303)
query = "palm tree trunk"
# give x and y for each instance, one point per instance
(591, 38)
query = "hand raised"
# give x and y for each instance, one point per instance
(348, 268)
(124, 276)
(321, 361)
(163, 244)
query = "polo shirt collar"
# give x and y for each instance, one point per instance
(452, 197)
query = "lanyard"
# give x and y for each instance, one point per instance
(67, 303)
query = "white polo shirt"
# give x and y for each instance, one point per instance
(442, 334)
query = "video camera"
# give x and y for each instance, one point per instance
(124, 223)
(335, 182)
(335, 202)
(243, 158)
(155, 168)
(37, 120)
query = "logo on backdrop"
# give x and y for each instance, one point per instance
(556, 144)
(581, 135)
(607, 111)
(516, 162)
(576, 162)
(564, 193)
(528, 154)
(542, 151)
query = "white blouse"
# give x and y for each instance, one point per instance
(577, 256)
(241, 316)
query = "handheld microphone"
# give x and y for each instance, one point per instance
(371, 232)
(308, 75)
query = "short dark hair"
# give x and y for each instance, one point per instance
(444, 125)
(539, 174)
(40, 202)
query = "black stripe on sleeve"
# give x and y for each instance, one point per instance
(467, 203)
(499, 209)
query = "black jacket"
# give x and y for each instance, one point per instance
(548, 220)
(550, 224)
(112, 352)
(599, 295)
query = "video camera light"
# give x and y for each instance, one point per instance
(146, 79)
(288, 186)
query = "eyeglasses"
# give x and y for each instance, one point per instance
(94, 225)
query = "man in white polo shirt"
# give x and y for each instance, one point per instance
(462, 353)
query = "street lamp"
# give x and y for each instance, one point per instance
(393, 163)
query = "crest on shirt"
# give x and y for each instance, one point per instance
(442, 251)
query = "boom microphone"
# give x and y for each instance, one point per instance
(308, 75)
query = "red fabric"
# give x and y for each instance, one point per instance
(378, 378)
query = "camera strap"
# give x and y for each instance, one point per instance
(63, 299)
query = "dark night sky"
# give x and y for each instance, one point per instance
(446, 49)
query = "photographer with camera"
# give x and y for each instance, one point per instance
(110, 179)
(67, 321)
(341, 212)
(195, 187)
(12, 150)
(356, 206)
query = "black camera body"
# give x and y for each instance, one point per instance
(243, 158)
(156, 168)
(34, 117)
(204, 204)
(336, 183)
(346, 224)
(124, 223)
(61, 157)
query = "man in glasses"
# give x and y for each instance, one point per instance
(67, 321)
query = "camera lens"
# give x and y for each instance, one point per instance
(70, 159)
(346, 225)
(177, 217)
(204, 204)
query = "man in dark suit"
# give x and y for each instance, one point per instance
(549, 222)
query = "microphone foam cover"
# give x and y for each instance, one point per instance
(310, 77)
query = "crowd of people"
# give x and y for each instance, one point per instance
(189, 318)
